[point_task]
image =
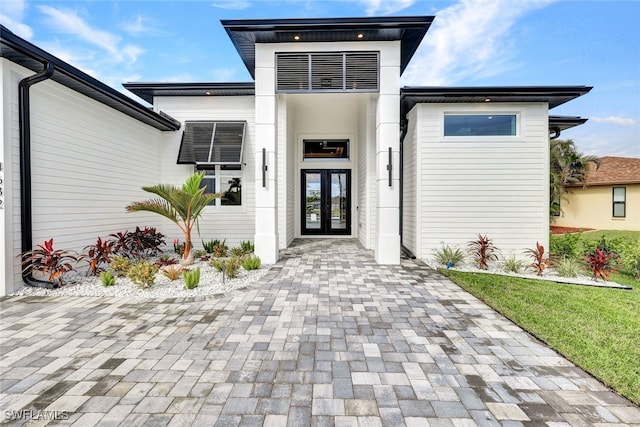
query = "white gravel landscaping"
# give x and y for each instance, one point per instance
(549, 275)
(211, 283)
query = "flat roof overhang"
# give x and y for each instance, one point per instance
(148, 91)
(409, 30)
(553, 95)
(560, 123)
(26, 54)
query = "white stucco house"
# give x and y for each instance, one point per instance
(323, 142)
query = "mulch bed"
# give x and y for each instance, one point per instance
(563, 230)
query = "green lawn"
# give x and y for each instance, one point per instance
(594, 236)
(598, 329)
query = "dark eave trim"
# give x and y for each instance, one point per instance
(245, 33)
(553, 95)
(28, 55)
(148, 91)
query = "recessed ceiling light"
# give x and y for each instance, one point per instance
(360, 35)
(296, 37)
(487, 99)
(207, 93)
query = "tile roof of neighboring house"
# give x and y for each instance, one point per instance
(615, 170)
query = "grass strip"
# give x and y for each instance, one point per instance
(598, 329)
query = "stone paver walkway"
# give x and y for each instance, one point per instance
(326, 338)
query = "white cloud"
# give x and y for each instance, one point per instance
(386, 7)
(11, 15)
(616, 120)
(137, 27)
(68, 21)
(232, 5)
(469, 39)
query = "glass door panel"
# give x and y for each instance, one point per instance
(339, 207)
(312, 201)
(326, 201)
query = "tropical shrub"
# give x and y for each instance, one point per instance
(600, 262)
(483, 251)
(247, 247)
(540, 262)
(171, 272)
(208, 246)
(232, 267)
(568, 245)
(513, 265)
(191, 278)
(630, 259)
(181, 205)
(165, 259)
(252, 262)
(107, 278)
(217, 263)
(49, 261)
(448, 255)
(238, 251)
(120, 265)
(145, 243)
(220, 249)
(568, 267)
(98, 255)
(143, 274)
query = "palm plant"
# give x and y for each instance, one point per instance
(568, 168)
(181, 205)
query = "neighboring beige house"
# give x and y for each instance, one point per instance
(611, 199)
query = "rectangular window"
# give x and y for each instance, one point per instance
(479, 125)
(326, 149)
(619, 202)
(226, 180)
(212, 143)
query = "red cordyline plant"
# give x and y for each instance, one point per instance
(49, 261)
(540, 262)
(99, 255)
(600, 262)
(483, 250)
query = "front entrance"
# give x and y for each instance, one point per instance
(326, 201)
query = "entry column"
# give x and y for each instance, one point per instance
(387, 250)
(266, 215)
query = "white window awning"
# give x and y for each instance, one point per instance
(212, 143)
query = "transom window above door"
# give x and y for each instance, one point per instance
(327, 72)
(212, 143)
(325, 149)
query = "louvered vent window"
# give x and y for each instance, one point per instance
(212, 143)
(329, 71)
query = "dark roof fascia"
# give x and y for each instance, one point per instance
(148, 91)
(245, 33)
(565, 122)
(553, 95)
(26, 54)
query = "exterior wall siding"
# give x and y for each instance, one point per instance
(88, 162)
(233, 223)
(496, 186)
(410, 185)
(592, 207)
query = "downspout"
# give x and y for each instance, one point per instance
(26, 206)
(556, 133)
(404, 128)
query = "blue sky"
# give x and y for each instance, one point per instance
(471, 43)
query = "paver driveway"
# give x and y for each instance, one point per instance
(326, 338)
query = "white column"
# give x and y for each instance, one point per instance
(387, 249)
(266, 215)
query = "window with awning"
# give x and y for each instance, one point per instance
(212, 143)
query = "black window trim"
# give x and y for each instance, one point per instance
(515, 115)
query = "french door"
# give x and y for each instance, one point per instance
(326, 201)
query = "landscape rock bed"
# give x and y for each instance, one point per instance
(211, 283)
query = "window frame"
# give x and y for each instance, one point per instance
(220, 178)
(212, 143)
(516, 124)
(615, 202)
